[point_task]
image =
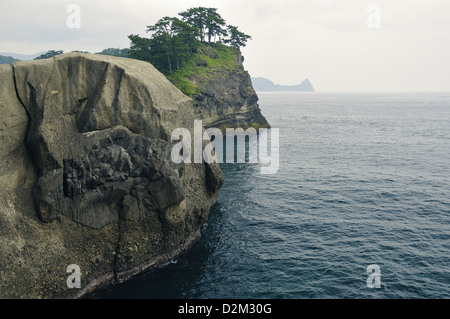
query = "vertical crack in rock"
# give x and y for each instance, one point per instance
(25, 144)
(226, 98)
(86, 121)
(98, 132)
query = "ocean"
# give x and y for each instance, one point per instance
(363, 183)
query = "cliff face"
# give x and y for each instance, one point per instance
(224, 95)
(86, 176)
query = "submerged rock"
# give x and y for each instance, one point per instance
(86, 176)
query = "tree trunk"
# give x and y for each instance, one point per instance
(170, 64)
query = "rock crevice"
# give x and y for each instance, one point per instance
(87, 138)
(226, 98)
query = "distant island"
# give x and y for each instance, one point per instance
(265, 85)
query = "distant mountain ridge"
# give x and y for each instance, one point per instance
(10, 57)
(7, 59)
(265, 85)
(19, 56)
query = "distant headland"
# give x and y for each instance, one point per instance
(265, 85)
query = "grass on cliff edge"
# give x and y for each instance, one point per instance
(208, 60)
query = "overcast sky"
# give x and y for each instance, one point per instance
(334, 43)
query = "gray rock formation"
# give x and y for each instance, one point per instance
(227, 99)
(86, 176)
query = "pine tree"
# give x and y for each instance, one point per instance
(237, 39)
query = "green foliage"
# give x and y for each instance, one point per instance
(174, 42)
(115, 52)
(49, 54)
(196, 18)
(206, 21)
(214, 24)
(182, 82)
(237, 38)
(140, 48)
(7, 60)
(209, 60)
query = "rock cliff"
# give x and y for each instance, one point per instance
(86, 176)
(223, 95)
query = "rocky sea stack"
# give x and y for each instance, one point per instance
(86, 176)
(220, 87)
(225, 96)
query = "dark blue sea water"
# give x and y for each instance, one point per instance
(364, 179)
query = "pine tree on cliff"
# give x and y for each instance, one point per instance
(215, 24)
(206, 20)
(174, 41)
(237, 39)
(196, 18)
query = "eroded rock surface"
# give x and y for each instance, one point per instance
(86, 175)
(227, 99)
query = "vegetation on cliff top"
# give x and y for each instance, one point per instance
(202, 65)
(197, 43)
